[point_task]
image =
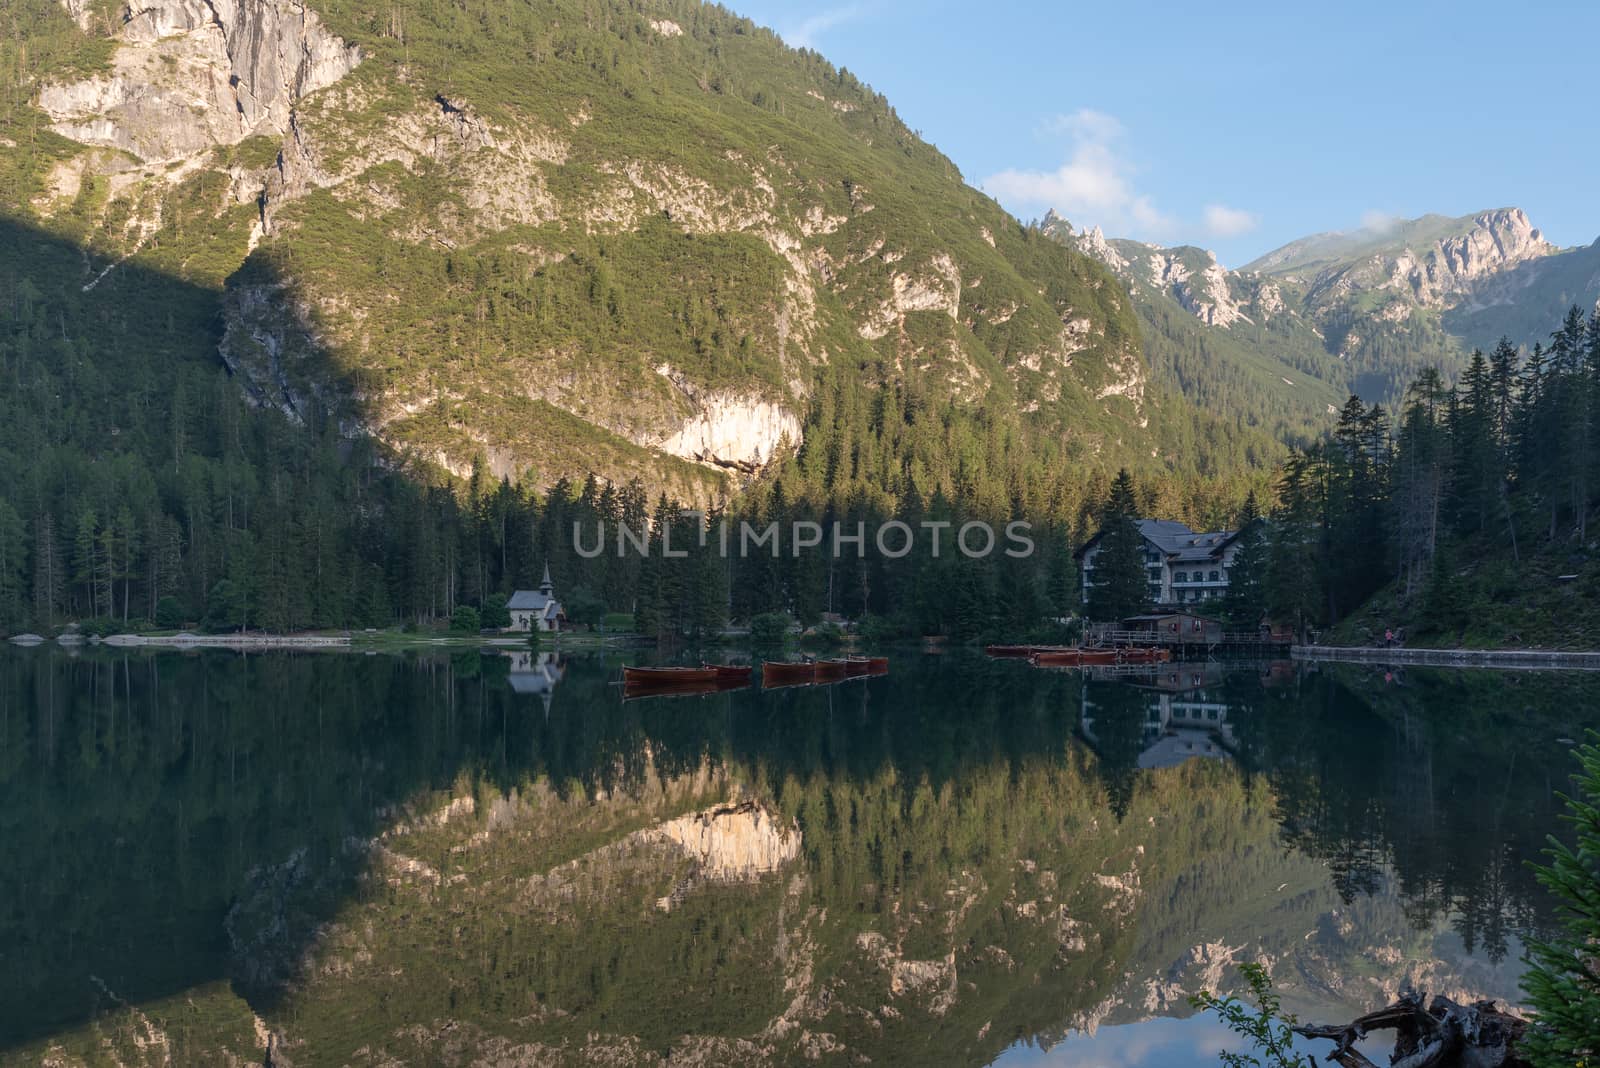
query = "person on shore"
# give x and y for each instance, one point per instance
(1388, 638)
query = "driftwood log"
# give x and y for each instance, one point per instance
(1444, 1035)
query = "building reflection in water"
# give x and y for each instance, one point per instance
(1182, 717)
(535, 674)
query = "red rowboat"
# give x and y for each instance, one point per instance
(1074, 657)
(633, 691)
(1023, 652)
(866, 665)
(667, 676)
(778, 673)
(728, 672)
(1082, 657)
(828, 670)
(1144, 655)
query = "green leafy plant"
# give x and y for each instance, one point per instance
(495, 614)
(1271, 1033)
(824, 634)
(769, 628)
(1563, 980)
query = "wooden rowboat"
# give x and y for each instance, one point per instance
(866, 665)
(729, 672)
(1144, 655)
(1085, 657)
(667, 676)
(634, 691)
(1024, 652)
(1074, 657)
(829, 670)
(779, 673)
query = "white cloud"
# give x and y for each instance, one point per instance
(1223, 221)
(1094, 187)
(1378, 221)
(1097, 186)
(804, 34)
(1087, 123)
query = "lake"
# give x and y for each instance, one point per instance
(479, 858)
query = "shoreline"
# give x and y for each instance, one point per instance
(1531, 659)
(353, 642)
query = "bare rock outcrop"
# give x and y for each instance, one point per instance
(733, 842)
(193, 74)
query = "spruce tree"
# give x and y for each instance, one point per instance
(1245, 602)
(1120, 586)
(1562, 984)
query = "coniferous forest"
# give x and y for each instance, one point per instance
(1465, 514)
(139, 488)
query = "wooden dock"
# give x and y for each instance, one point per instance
(1546, 659)
(1188, 645)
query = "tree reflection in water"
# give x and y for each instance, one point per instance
(409, 854)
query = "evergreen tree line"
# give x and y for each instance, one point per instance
(138, 486)
(1504, 463)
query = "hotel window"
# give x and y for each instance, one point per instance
(1216, 576)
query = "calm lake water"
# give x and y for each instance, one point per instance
(465, 859)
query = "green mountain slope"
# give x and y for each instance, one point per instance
(559, 237)
(1227, 343)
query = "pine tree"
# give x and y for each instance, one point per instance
(1245, 602)
(1419, 478)
(1475, 470)
(86, 569)
(1120, 587)
(1562, 985)
(1297, 542)
(13, 566)
(49, 571)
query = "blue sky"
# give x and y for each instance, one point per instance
(1237, 126)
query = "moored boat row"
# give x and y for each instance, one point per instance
(1076, 656)
(1022, 652)
(715, 678)
(1089, 657)
(805, 672)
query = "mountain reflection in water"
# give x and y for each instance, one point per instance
(480, 858)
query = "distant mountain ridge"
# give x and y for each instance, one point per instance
(1362, 311)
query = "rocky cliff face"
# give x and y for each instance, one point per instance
(1443, 272)
(1190, 276)
(194, 74)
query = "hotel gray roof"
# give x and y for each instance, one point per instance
(1180, 543)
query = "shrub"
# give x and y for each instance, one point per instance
(1269, 1032)
(876, 629)
(770, 628)
(584, 606)
(829, 634)
(465, 620)
(169, 613)
(495, 614)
